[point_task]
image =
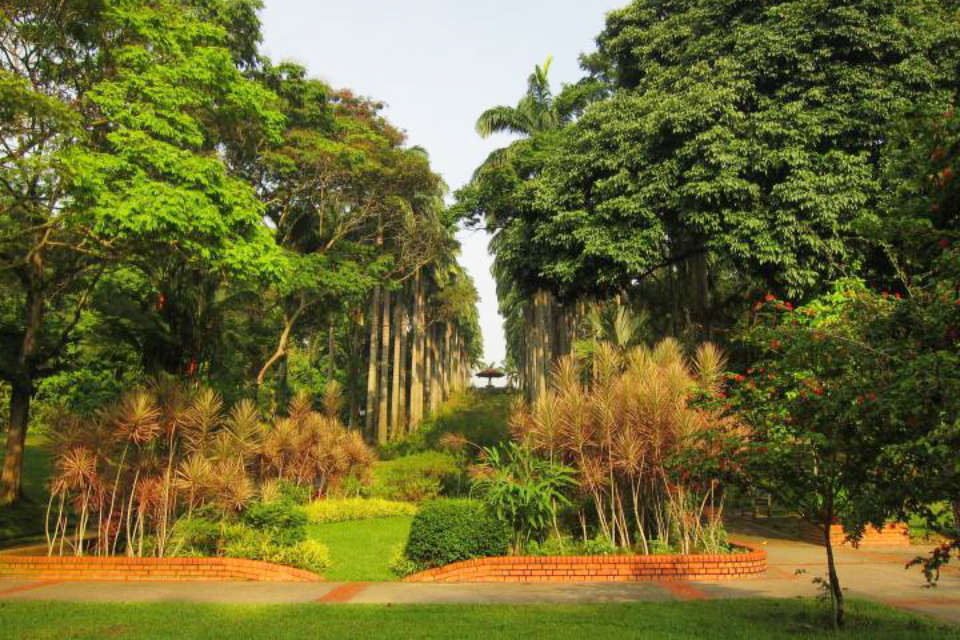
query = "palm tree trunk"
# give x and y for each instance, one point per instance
(331, 350)
(373, 332)
(384, 393)
(396, 386)
(416, 354)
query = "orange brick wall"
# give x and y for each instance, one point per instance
(895, 534)
(599, 568)
(146, 569)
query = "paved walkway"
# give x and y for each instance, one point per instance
(874, 575)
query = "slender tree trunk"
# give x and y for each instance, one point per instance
(384, 393)
(447, 360)
(430, 361)
(417, 355)
(836, 593)
(331, 351)
(373, 332)
(403, 360)
(21, 392)
(396, 389)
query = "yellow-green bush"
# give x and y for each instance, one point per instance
(341, 510)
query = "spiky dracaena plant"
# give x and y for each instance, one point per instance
(168, 449)
(621, 417)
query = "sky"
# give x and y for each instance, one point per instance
(438, 64)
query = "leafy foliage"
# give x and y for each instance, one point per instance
(450, 530)
(345, 509)
(524, 491)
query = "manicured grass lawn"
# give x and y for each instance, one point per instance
(361, 550)
(24, 521)
(721, 620)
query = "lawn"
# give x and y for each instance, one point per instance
(361, 550)
(24, 522)
(740, 619)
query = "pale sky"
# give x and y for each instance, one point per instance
(438, 64)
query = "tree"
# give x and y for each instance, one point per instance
(854, 405)
(493, 196)
(108, 160)
(743, 147)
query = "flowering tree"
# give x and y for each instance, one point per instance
(852, 394)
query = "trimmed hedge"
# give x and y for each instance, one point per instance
(446, 531)
(332, 510)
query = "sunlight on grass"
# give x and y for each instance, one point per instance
(361, 550)
(731, 619)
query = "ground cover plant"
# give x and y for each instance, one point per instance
(747, 619)
(341, 510)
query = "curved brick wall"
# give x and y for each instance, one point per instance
(145, 569)
(599, 568)
(894, 534)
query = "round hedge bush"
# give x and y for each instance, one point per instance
(446, 531)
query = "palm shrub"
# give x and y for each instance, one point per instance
(170, 450)
(624, 423)
(524, 490)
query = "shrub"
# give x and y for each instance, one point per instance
(400, 564)
(193, 535)
(523, 490)
(254, 544)
(415, 478)
(311, 555)
(446, 531)
(282, 520)
(329, 510)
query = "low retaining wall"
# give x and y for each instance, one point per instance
(599, 568)
(895, 534)
(147, 569)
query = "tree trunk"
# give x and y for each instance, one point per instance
(384, 393)
(430, 361)
(416, 355)
(836, 593)
(331, 351)
(397, 389)
(21, 391)
(11, 478)
(370, 408)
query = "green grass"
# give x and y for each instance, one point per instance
(23, 522)
(361, 550)
(722, 620)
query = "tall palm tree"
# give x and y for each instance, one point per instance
(539, 110)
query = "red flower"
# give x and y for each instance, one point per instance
(774, 344)
(944, 243)
(788, 306)
(770, 297)
(739, 377)
(818, 391)
(872, 396)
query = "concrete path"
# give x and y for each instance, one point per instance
(874, 575)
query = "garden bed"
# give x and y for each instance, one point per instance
(894, 534)
(612, 568)
(147, 569)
